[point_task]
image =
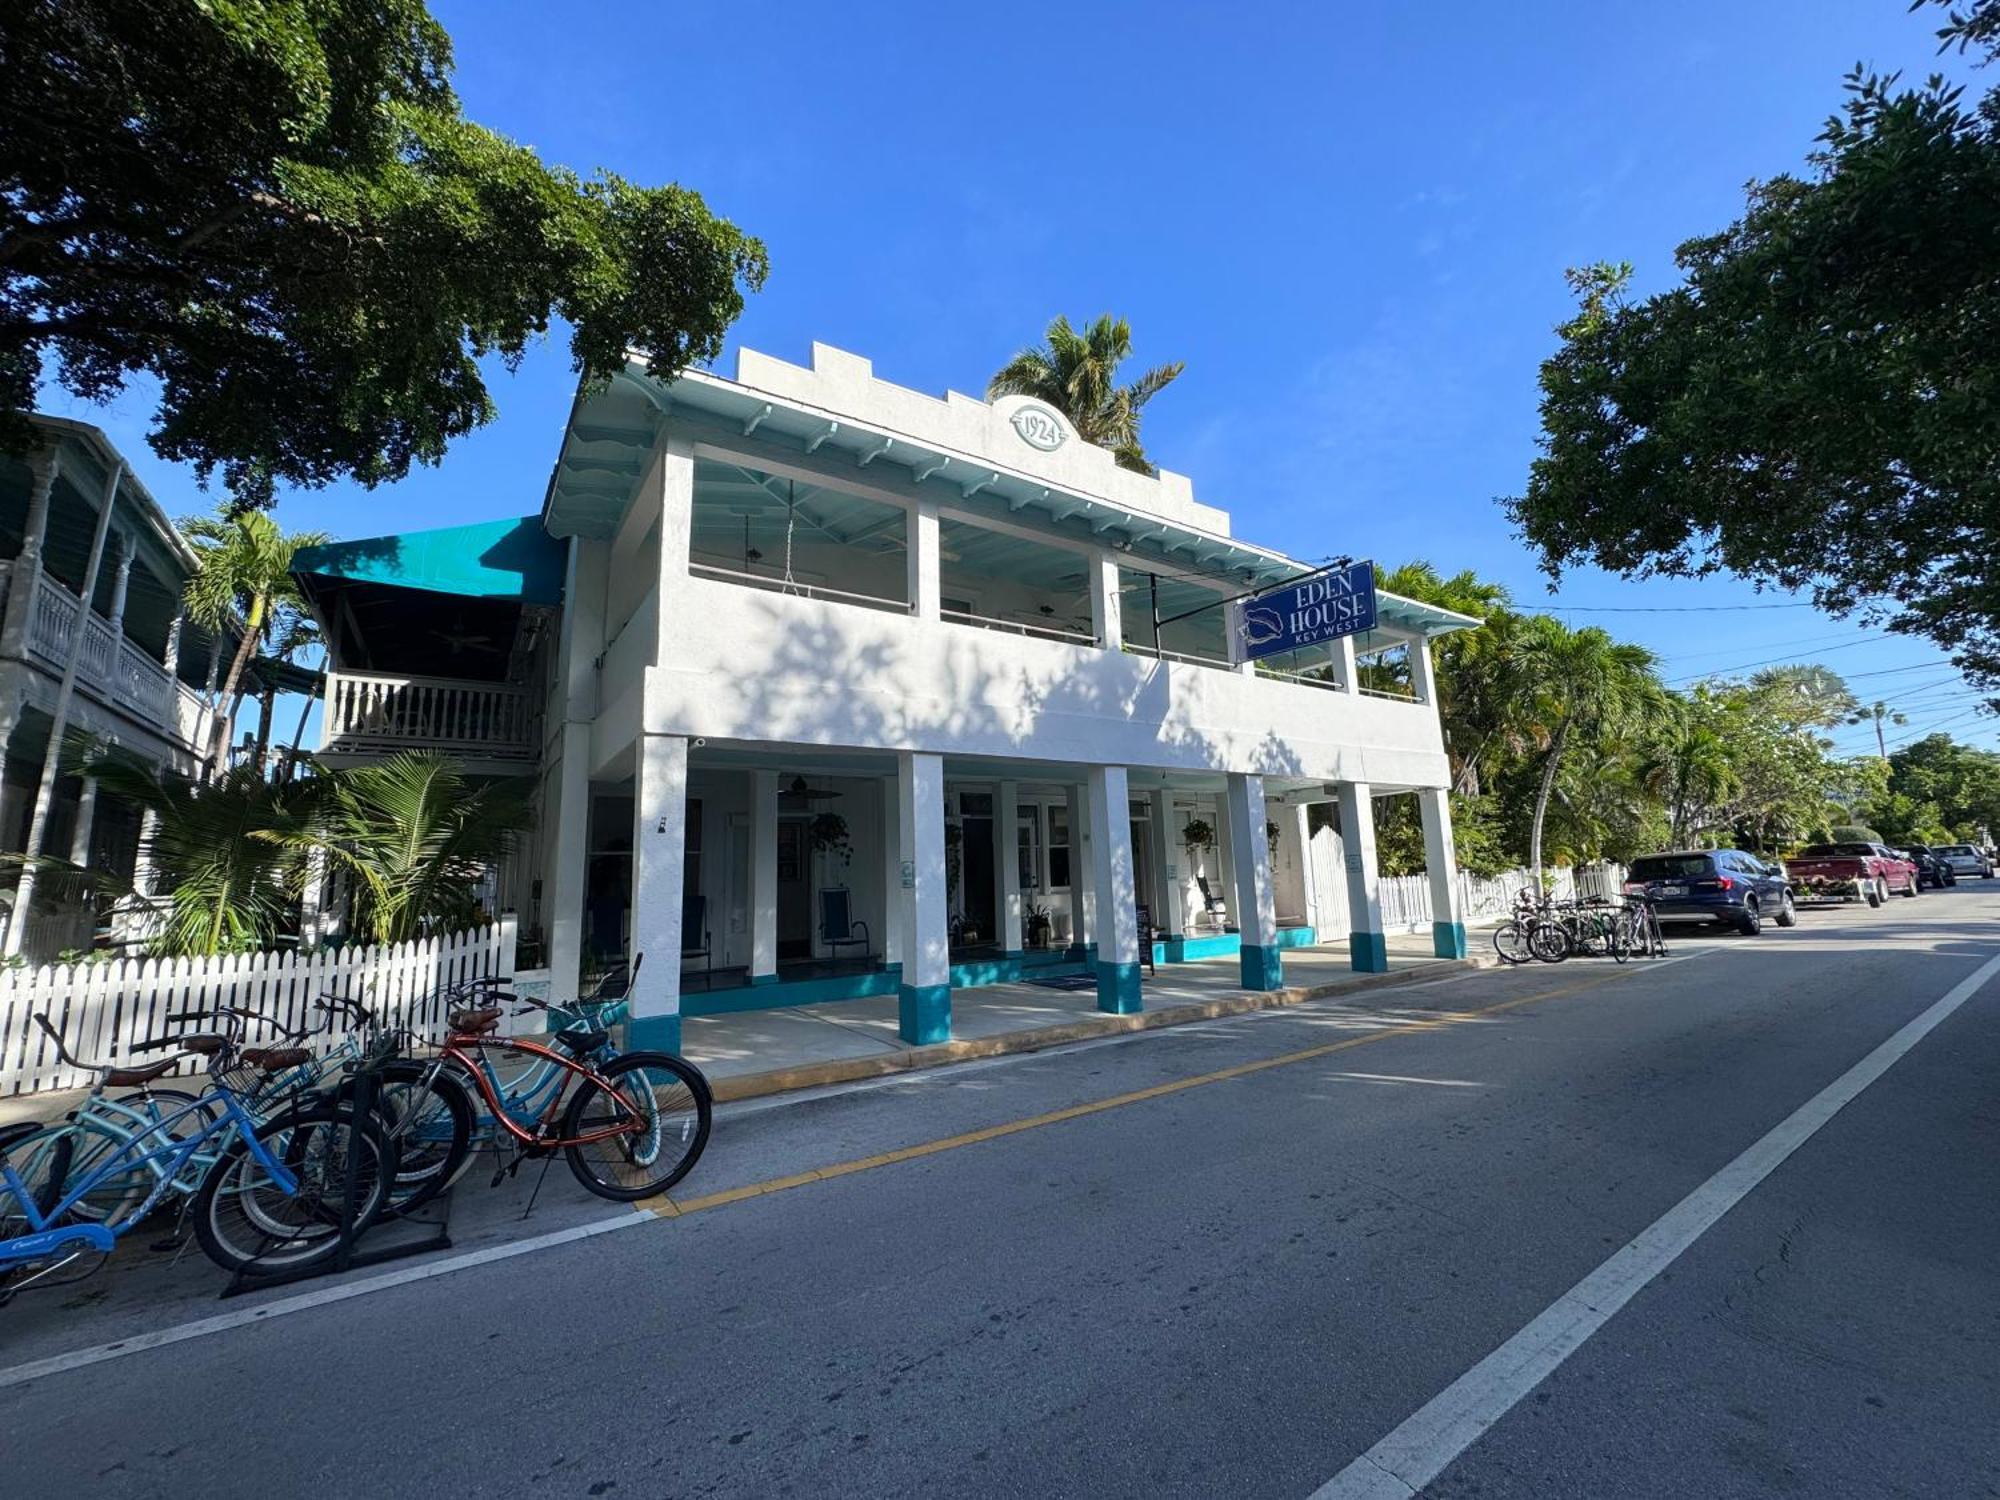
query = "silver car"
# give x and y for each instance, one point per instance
(1965, 859)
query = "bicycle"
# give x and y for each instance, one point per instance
(630, 1125)
(271, 1197)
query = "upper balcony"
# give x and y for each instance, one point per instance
(374, 714)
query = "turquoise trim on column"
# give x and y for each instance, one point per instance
(1262, 968)
(654, 1034)
(1297, 937)
(924, 1013)
(763, 978)
(1118, 988)
(1368, 952)
(1448, 939)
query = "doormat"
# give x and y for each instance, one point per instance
(1066, 982)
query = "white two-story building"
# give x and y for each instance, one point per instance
(834, 688)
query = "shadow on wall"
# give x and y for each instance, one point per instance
(829, 684)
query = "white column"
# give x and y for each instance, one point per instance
(1166, 897)
(1256, 904)
(1367, 949)
(566, 852)
(1007, 840)
(1423, 671)
(1106, 614)
(86, 803)
(923, 560)
(1441, 864)
(312, 900)
(763, 877)
(1222, 879)
(1117, 916)
(25, 575)
(121, 586)
(659, 851)
(1232, 627)
(925, 996)
(38, 823)
(1340, 656)
(894, 852)
(1301, 816)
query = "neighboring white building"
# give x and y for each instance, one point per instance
(125, 670)
(835, 688)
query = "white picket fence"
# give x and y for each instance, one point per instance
(1406, 899)
(102, 1009)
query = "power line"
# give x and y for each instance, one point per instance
(1660, 609)
(1777, 661)
(1810, 640)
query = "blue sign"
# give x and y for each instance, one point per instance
(1321, 608)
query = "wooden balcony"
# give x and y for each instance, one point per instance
(380, 714)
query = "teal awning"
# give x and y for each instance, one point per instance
(511, 559)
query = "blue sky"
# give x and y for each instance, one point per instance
(1351, 221)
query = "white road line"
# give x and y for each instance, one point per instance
(1430, 1439)
(77, 1359)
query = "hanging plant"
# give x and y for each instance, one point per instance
(1197, 834)
(827, 834)
(1271, 838)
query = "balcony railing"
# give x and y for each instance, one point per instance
(382, 714)
(110, 668)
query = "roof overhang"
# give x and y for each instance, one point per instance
(513, 559)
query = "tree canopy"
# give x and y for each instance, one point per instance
(1817, 404)
(279, 212)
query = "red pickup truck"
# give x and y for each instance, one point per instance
(1851, 872)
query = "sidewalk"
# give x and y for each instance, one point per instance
(751, 1053)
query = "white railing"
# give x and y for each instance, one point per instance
(1063, 633)
(117, 671)
(385, 713)
(802, 590)
(103, 1009)
(1407, 906)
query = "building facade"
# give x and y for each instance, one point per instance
(835, 688)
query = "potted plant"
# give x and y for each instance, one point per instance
(826, 833)
(1197, 834)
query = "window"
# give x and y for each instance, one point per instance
(1028, 843)
(1059, 848)
(691, 857)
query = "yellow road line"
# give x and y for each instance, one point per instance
(668, 1208)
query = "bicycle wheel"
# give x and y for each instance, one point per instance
(669, 1098)
(246, 1222)
(1618, 938)
(43, 1164)
(429, 1114)
(1548, 941)
(1510, 941)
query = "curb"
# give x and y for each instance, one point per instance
(944, 1054)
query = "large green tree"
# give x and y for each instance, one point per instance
(1817, 404)
(277, 210)
(1077, 373)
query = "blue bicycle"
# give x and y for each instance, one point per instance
(273, 1194)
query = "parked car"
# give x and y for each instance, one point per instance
(1713, 885)
(1851, 872)
(1933, 869)
(1967, 859)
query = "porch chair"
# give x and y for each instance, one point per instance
(837, 922)
(1146, 937)
(695, 940)
(1216, 908)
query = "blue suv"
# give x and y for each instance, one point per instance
(1715, 885)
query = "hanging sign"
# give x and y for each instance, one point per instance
(1321, 608)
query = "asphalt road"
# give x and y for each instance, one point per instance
(1234, 1286)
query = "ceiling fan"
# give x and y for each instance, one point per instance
(459, 639)
(800, 791)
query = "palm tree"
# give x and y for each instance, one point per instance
(219, 848)
(1690, 766)
(289, 632)
(415, 835)
(1471, 699)
(1076, 373)
(1577, 688)
(1877, 713)
(244, 569)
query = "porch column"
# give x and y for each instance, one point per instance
(566, 862)
(1082, 898)
(1256, 904)
(1441, 864)
(924, 1011)
(1340, 657)
(659, 851)
(45, 790)
(1367, 949)
(1301, 816)
(86, 802)
(1232, 625)
(893, 856)
(763, 877)
(1106, 616)
(1166, 897)
(923, 560)
(1117, 913)
(86, 816)
(24, 578)
(1006, 842)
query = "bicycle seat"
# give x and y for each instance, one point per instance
(484, 1018)
(581, 1042)
(19, 1131)
(131, 1078)
(275, 1059)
